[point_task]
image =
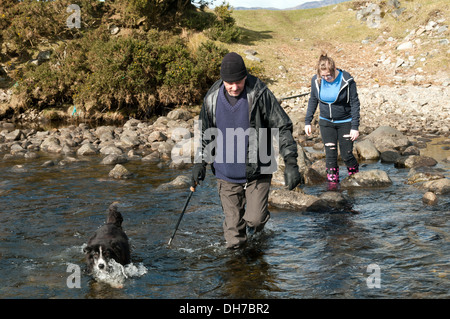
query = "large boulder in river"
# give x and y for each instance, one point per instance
(389, 156)
(370, 178)
(336, 200)
(299, 201)
(387, 138)
(366, 150)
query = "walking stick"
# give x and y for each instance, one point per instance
(182, 213)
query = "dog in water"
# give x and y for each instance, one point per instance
(108, 243)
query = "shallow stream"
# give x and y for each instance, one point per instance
(47, 214)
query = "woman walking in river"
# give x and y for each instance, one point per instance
(334, 90)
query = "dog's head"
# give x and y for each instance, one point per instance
(98, 258)
(104, 267)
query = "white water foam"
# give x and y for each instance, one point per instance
(116, 274)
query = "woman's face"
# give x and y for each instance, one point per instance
(328, 75)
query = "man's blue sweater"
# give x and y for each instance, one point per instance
(233, 123)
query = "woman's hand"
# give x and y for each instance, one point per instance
(308, 130)
(354, 134)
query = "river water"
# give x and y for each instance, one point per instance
(396, 247)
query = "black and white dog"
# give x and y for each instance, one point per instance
(108, 242)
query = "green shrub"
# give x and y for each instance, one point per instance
(136, 74)
(24, 25)
(156, 13)
(199, 20)
(209, 57)
(224, 28)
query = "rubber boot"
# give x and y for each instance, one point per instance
(333, 178)
(353, 170)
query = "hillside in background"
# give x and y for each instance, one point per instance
(378, 42)
(317, 4)
(133, 60)
(306, 5)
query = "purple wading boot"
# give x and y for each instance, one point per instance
(353, 170)
(333, 178)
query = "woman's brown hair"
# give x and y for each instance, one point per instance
(325, 63)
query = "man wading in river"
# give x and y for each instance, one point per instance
(238, 118)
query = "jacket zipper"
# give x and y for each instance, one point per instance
(340, 90)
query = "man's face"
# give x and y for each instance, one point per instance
(235, 88)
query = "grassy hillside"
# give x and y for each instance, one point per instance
(150, 66)
(293, 40)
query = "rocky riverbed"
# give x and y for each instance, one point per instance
(396, 125)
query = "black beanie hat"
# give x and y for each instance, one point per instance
(233, 68)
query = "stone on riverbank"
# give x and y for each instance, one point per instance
(87, 149)
(153, 157)
(179, 114)
(51, 145)
(129, 138)
(157, 136)
(411, 150)
(105, 133)
(15, 135)
(111, 150)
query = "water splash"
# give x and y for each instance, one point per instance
(117, 273)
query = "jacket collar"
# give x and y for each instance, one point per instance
(346, 78)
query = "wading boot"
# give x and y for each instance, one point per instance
(333, 178)
(353, 170)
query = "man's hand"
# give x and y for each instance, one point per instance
(198, 174)
(292, 176)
